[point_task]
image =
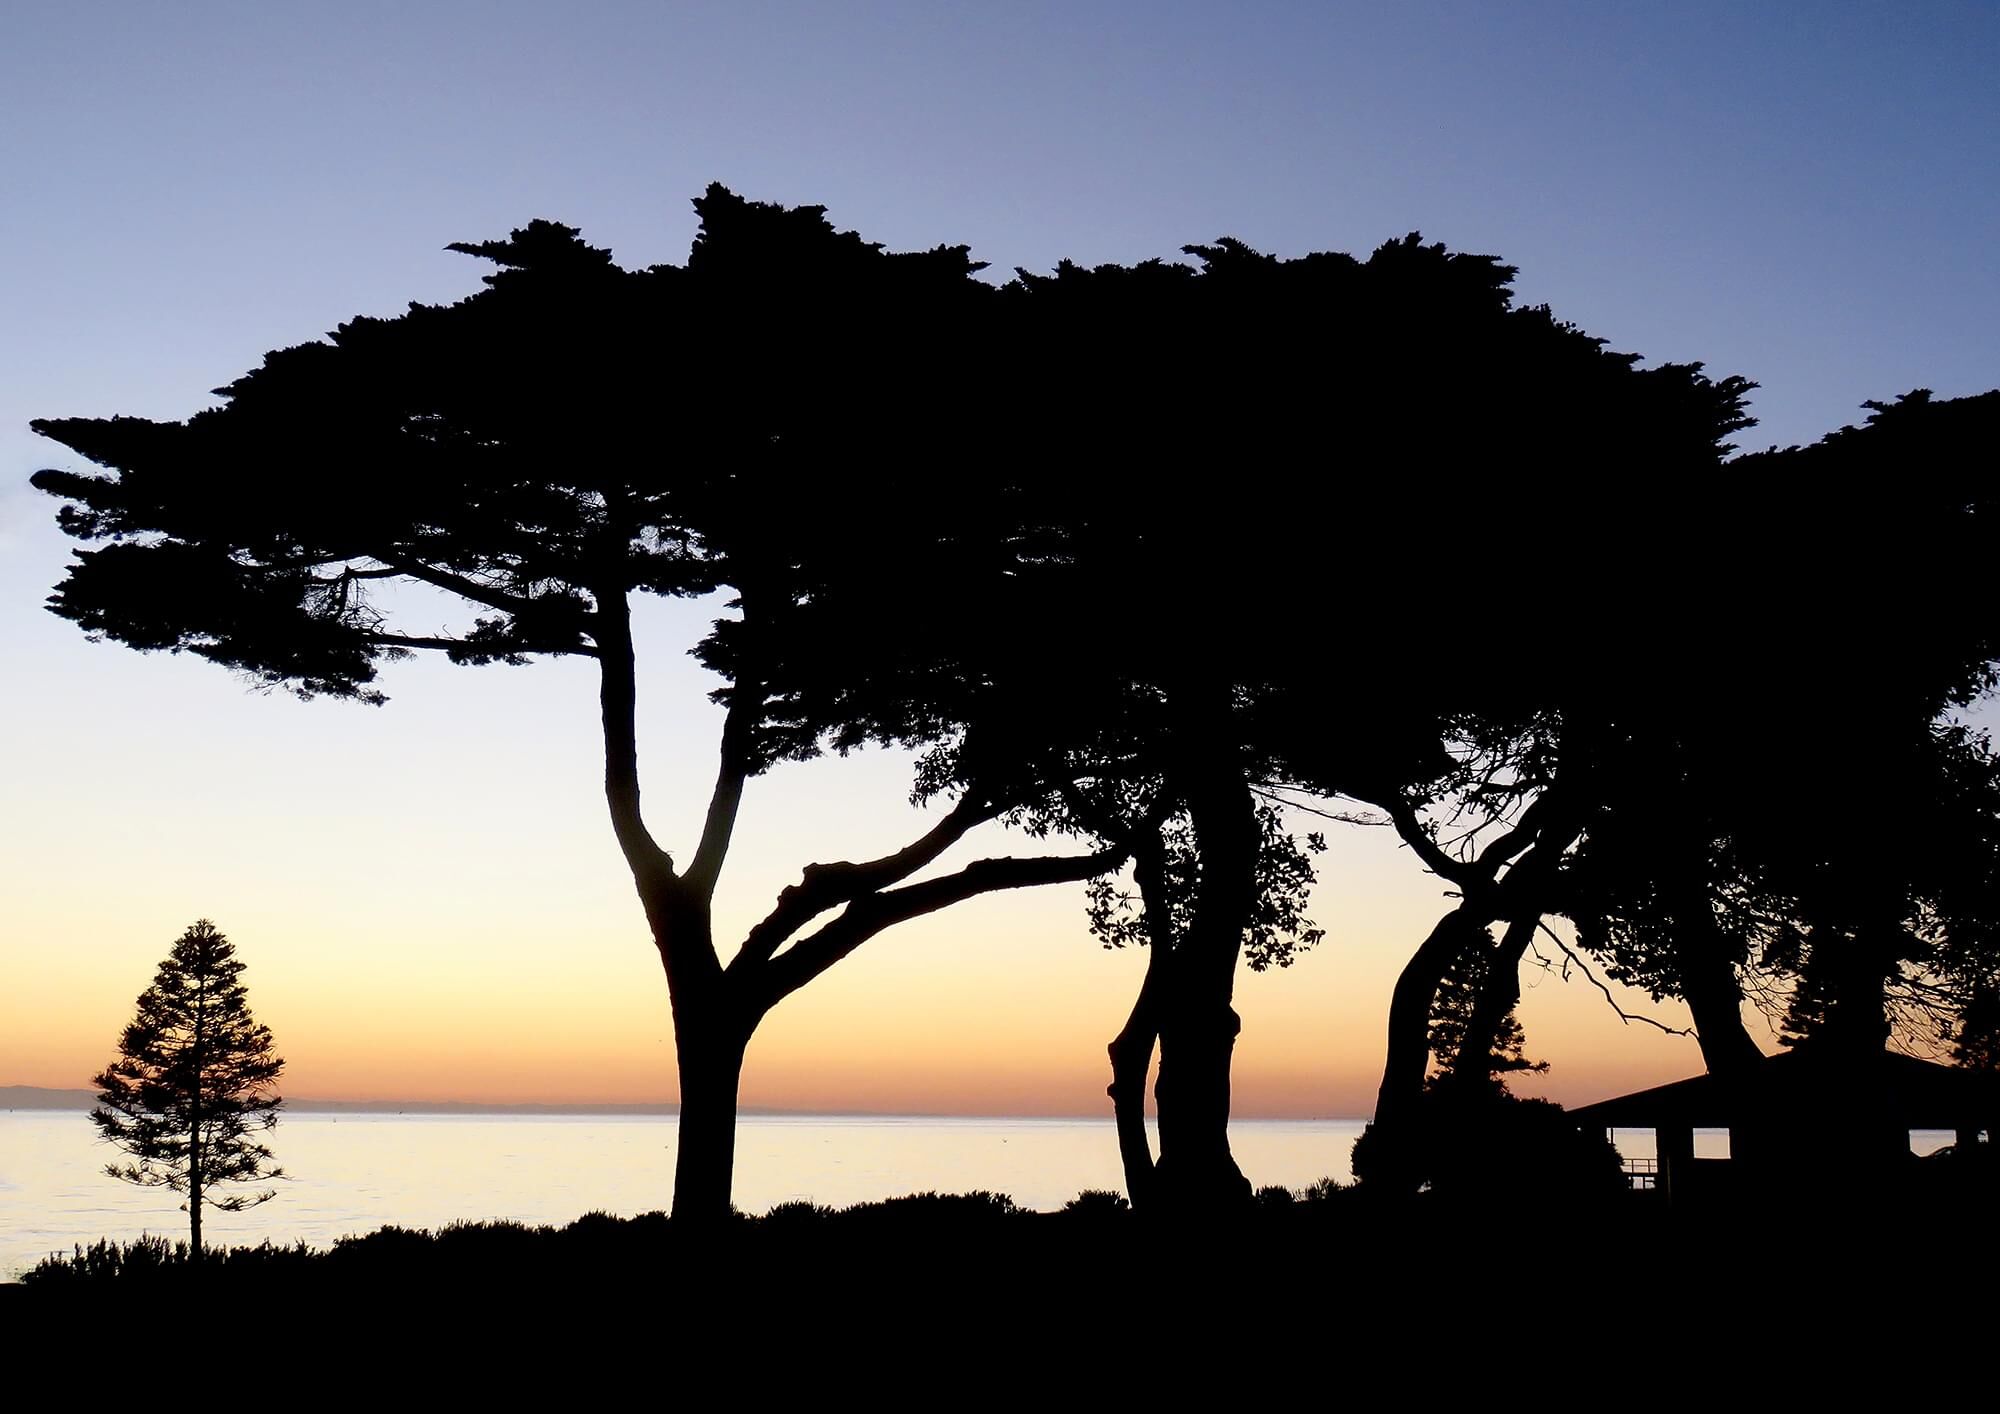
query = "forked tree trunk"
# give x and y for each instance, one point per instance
(716, 1008)
(709, 1033)
(1399, 1103)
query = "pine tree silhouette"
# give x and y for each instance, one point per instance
(192, 1082)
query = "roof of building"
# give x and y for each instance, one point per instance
(1919, 1094)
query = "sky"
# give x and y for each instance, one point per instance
(427, 894)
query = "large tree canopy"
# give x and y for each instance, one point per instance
(1307, 509)
(788, 417)
(1782, 802)
(1129, 553)
(1823, 797)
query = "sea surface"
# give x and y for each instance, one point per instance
(352, 1173)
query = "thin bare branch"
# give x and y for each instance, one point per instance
(1344, 817)
(1623, 1015)
(1413, 833)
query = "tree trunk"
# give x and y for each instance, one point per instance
(709, 1032)
(711, 1065)
(197, 1169)
(1131, 1052)
(1399, 1100)
(1196, 1172)
(194, 1190)
(1857, 1023)
(1715, 1000)
(1523, 898)
(1858, 1034)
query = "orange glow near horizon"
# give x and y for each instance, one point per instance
(1000, 1006)
(431, 907)
(428, 896)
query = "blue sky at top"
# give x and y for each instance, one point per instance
(1804, 194)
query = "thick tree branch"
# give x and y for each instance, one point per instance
(405, 640)
(309, 562)
(1404, 818)
(448, 644)
(460, 585)
(746, 707)
(1133, 836)
(1516, 839)
(1408, 1054)
(827, 886)
(866, 917)
(618, 696)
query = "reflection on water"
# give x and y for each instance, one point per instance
(353, 1173)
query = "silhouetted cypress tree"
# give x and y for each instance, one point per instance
(192, 1082)
(564, 443)
(1278, 482)
(1820, 822)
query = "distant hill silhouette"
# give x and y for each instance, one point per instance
(36, 1097)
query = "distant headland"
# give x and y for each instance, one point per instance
(37, 1097)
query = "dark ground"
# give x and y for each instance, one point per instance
(1749, 1301)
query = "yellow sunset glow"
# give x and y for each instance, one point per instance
(431, 907)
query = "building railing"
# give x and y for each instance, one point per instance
(1642, 1175)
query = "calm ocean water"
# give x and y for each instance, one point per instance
(351, 1173)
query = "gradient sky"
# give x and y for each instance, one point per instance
(427, 895)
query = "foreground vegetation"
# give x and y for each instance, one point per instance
(969, 1297)
(608, 1245)
(963, 1233)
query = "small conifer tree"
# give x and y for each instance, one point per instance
(192, 1082)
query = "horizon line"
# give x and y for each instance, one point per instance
(62, 1098)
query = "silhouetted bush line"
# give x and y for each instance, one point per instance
(902, 1224)
(980, 1238)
